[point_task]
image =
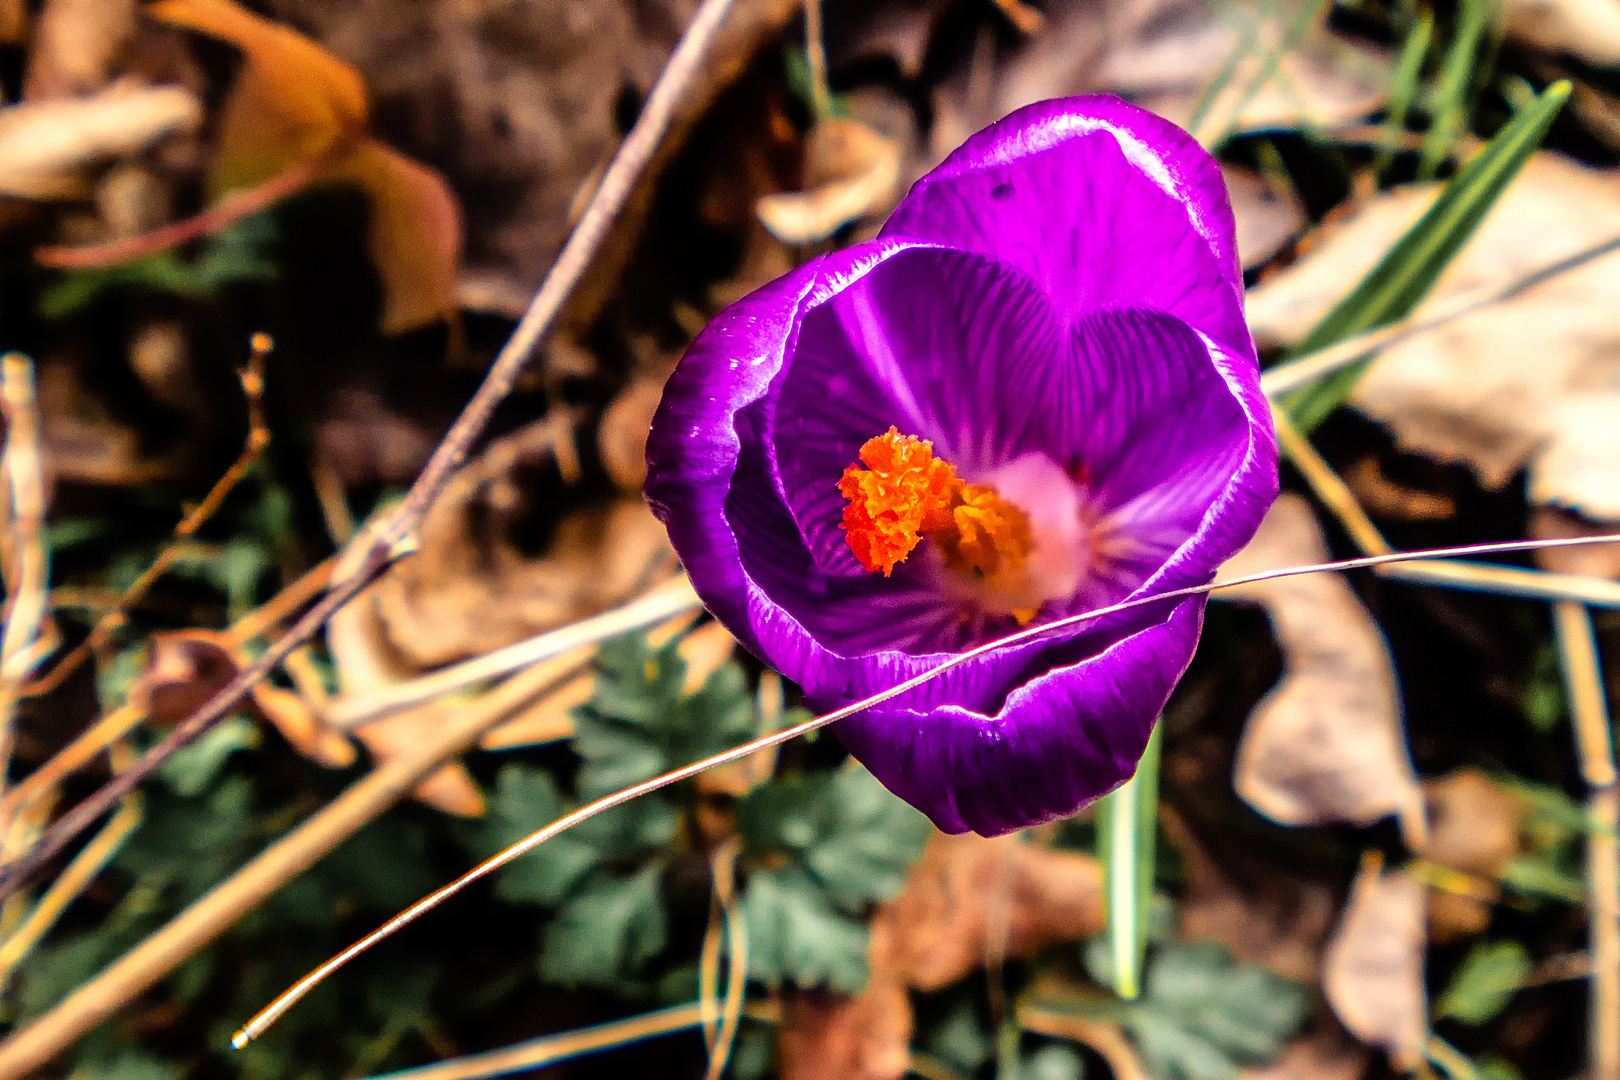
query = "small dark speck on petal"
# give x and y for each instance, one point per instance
(1001, 191)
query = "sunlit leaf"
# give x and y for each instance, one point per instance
(1488, 978)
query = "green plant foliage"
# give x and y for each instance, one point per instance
(1202, 1014)
(1053, 1061)
(796, 935)
(192, 769)
(1400, 281)
(1488, 978)
(611, 929)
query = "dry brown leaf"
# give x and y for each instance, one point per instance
(622, 436)
(942, 916)
(1476, 832)
(1596, 560)
(75, 43)
(1161, 54)
(366, 661)
(1324, 1054)
(851, 171)
(470, 589)
(1267, 217)
(1494, 388)
(293, 102)
(1326, 744)
(414, 234)
(867, 1036)
(45, 145)
(185, 668)
(1589, 29)
(548, 720)
(1373, 969)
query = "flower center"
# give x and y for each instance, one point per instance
(905, 494)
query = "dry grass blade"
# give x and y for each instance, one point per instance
(258, 438)
(29, 1049)
(80, 872)
(26, 596)
(293, 994)
(1584, 677)
(374, 550)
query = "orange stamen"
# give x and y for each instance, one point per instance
(905, 493)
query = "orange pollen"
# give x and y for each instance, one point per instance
(905, 493)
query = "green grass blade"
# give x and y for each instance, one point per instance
(1127, 827)
(1404, 89)
(1404, 277)
(1293, 34)
(1451, 98)
(1248, 36)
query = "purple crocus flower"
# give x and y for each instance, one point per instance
(1032, 395)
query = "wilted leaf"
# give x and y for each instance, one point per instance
(943, 915)
(850, 171)
(1589, 29)
(1373, 970)
(293, 103)
(471, 588)
(1327, 743)
(1475, 830)
(1489, 976)
(44, 145)
(1485, 389)
(75, 43)
(608, 932)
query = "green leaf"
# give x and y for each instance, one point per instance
(191, 769)
(1490, 975)
(1127, 827)
(1451, 98)
(525, 800)
(608, 932)
(1404, 89)
(1203, 1015)
(1053, 1062)
(796, 936)
(1404, 277)
(1539, 874)
(639, 723)
(854, 838)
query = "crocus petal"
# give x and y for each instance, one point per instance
(1064, 738)
(945, 345)
(1102, 203)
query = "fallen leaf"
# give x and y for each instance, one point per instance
(851, 171)
(621, 437)
(1373, 969)
(1324, 1054)
(1327, 744)
(75, 43)
(366, 661)
(46, 145)
(829, 1036)
(292, 103)
(1589, 29)
(1475, 830)
(1383, 497)
(943, 917)
(1489, 389)
(470, 588)
(185, 668)
(1267, 218)
(1595, 560)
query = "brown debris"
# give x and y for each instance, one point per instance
(1373, 968)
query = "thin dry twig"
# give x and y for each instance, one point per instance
(258, 438)
(289, 997)
(65, 889)
(214, 220)
(207, 918)
(376, 548)
(27, 597)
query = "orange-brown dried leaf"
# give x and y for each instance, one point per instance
(414, 234)
(865, 1036)
(291, 100)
